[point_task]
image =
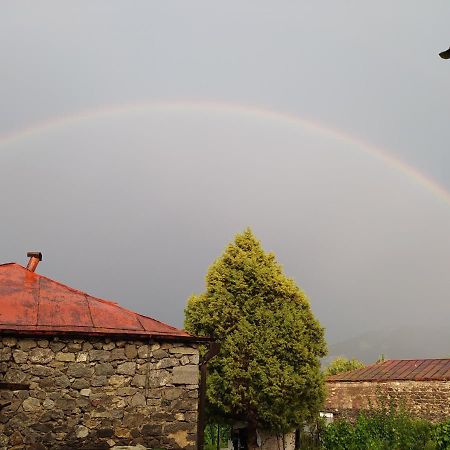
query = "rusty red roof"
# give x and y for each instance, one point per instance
(34, 304)
(399, 369)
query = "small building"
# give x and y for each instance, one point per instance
(96, 375)
(421, 386)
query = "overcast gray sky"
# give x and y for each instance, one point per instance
(135, 203)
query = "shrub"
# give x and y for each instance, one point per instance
(441, 435)
(382, 430)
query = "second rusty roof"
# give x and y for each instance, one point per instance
(398, 369)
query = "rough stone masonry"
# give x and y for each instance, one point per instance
(425, 399)
(96, 393)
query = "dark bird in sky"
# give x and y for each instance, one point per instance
(445, 54)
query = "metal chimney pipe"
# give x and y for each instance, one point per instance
(35, 257)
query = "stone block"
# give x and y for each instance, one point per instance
(9, 341)
(31, 404)
(57, 346)
(158, 378)
(99, 380)
(183, 350)
(139, 380)
(65, 404)
(81, 432)
(127, 390)
(121, 432)
(15, 376)
(79, 370)
(86, 346)
(104, 369)
(143, 351)
(65, 357)
(167, 362)
(185, 360)
(20, 357)
(105, 432)
(118, 354)
(195, 359)
(26, 344)
(82, 357)
(131, 420)
(99, 355)
(127, 368)
(5, 354)
(41, 355)
(48, 404)
(129, 447)
(171, 393)
(130, 351)
(185, 374)
(117, 380)
(80, 383)
(138, 399)
(152, 430)
(179, 426)
(160, 354)
(60, 382)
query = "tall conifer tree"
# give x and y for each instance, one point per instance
(268, 371)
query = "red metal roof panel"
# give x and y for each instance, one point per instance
(110, 315)
(398, 369)
(59, 306)
(23, 294)
(32, 303)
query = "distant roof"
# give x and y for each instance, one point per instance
(33, 304)
(399, 369)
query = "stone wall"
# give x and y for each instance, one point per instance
(98, 393)
(426, 399)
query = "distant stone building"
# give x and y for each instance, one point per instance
(97, 375)
(421, 386)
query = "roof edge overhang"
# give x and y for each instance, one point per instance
(387, 380)
(124, 335)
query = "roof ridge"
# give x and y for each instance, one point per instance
(51, 279)
(413, 359)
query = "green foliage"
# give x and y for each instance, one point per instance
(385, 430)
(342, 364)
(441, 435)
(268, 369)
(214, 432)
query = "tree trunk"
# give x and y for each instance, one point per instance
(252, 438)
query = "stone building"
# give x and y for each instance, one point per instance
(421, 386)
(96, 375)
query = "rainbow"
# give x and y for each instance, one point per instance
(249, 111)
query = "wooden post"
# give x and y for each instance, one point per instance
(214, 348)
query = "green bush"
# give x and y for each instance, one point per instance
(386, 430)
(441, 436)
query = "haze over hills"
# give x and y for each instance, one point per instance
(408, 342)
